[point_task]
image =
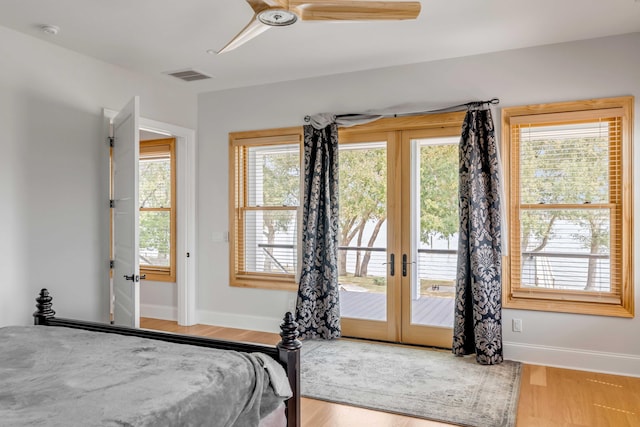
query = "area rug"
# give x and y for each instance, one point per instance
(413, 381)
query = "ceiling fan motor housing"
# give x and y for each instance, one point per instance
(277, 17)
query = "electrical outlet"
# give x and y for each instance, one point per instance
(516, 325)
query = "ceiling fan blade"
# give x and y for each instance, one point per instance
(354, 10)
(253, 29)
(260, 5)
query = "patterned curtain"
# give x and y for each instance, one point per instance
(318, 307)
(478, 309)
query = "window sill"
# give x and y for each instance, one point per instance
(284, 284)
(157, 276)
(564, 306)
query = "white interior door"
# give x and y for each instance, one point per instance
(126, 266)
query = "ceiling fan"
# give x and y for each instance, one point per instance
(279, 13)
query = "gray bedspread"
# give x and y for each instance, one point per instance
(53, 376)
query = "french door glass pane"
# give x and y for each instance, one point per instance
(363, 231)
(434, 230)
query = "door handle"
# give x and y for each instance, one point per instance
(404, 265)
(135, 278)
(392, 263)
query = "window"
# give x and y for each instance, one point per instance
(265, 199)
(569, 192)
(157, 209)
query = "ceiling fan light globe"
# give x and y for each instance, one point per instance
(277, 17)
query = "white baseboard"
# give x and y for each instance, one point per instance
(164, 312)
(230, 320)
(569, 358)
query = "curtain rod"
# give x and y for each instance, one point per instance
(468, 105)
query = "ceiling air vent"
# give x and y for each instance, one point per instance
(189, 75)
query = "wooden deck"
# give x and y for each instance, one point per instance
(433, 311)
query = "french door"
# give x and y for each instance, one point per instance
(398, 229)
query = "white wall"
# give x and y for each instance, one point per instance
(159, 300)
(590, 69)
(54, 224)
(54, 171)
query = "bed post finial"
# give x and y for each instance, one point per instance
(289, 348)
(289, 333)
(43, 306)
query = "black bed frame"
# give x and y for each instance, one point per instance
(286, 352)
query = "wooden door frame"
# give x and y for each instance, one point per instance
(417, 334)
(399, 132)
(388, 330)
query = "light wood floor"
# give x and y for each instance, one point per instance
(549, 397)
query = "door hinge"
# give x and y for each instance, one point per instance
(112, 203)
(111, 141)
(111, 262)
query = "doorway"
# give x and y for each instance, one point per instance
(398, 229)
(185, 277)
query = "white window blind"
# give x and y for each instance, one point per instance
(567, 240)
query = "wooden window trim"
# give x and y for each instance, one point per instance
(440, 124)
(238, 204)
(573, 301)
(148, 149)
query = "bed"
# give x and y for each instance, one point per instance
(64, 372)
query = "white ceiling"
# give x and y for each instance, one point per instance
(158, 36)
